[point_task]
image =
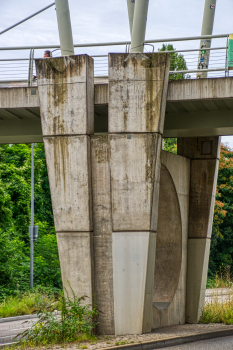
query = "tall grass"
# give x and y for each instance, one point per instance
(26, 304)
(219, 311)
(222, 279)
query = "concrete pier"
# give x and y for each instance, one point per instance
(133, 222)
(66, 95)
(203, 153)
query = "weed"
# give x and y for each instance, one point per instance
(222, 279)
(76, 323)
(219, 311)
(120, 343)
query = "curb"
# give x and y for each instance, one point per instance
(165, 343)
(173, 341)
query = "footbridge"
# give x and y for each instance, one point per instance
(133, 222)
(194, 107)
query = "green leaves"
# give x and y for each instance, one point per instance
(221, 255)
(15, 202)
(177, 63)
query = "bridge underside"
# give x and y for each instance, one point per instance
(194, 108)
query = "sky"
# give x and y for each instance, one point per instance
(107, 20)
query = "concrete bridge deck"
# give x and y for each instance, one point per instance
(202, 107)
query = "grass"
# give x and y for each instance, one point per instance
(222, 279)
(219, 312)
(26, 304)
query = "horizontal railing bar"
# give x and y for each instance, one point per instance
(119, 43)
(177, 51)
(198, 70)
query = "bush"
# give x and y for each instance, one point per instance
(76, 323)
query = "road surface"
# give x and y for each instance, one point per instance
(213, 344)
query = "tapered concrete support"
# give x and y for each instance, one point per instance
(66, 94)
(204, 155)
(102, 225)
(137, 95)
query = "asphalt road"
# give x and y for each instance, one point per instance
(213, 344)
(9, 330)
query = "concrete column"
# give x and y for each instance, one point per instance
(66, 94)
(204, 155)
(137, 99)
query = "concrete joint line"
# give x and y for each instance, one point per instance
(74, 232)
(66, 135)
(134, 133)
(200, 238)
(62, 84)
(133, 80)
(147, 231)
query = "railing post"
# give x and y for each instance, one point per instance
(226, 68)
(30, 71)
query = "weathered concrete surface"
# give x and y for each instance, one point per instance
(102, 232)
(129, 272)
(66, 95)
(76, 260)
(137, 93)
(69, 169)
(198, 261)
(204, 155)
(173, 310)
(169, 242)
(194, 108)
(101, 94)
(20, 97)
(199, 89)
(135, 171)
(137, 97)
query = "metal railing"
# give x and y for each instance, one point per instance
(15, 70)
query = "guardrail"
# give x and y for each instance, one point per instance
(13, 70)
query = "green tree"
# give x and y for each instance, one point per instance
(170, 145)
(15, 197)
(177, 62)
(221, 254)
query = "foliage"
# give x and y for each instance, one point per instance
(221, 255)
(15, 197)
(177, 62)
(170, 145)
(76, 323)
(222, 279)
(28, 302)
(219, 312)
